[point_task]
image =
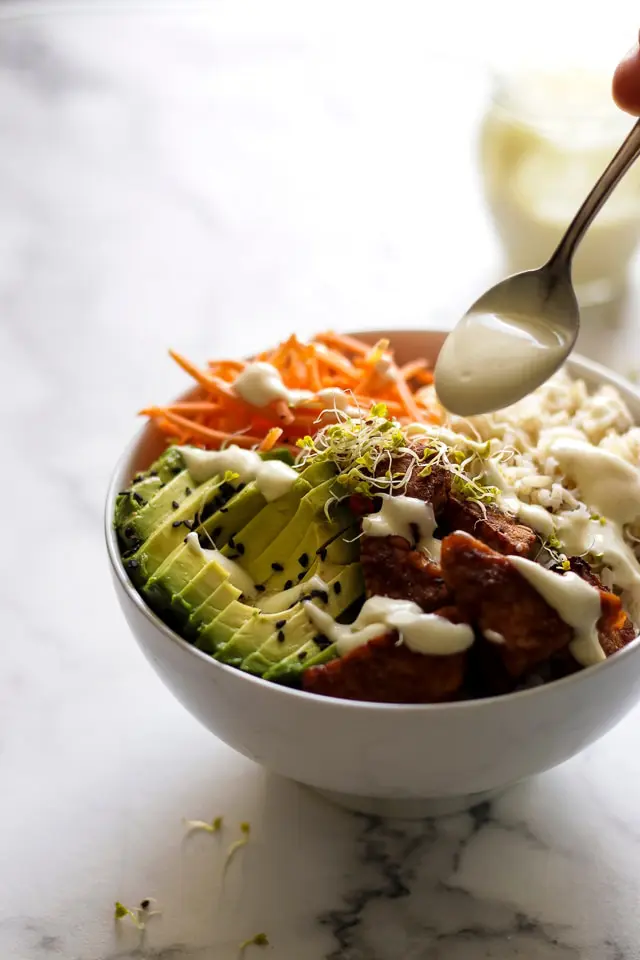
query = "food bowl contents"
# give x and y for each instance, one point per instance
(546, 138)
(318, 520)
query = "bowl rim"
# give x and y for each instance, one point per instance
(576, 363)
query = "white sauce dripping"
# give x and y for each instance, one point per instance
(425, 633)
(490, 360)
(237, 576)
(530, 513)
(610, 487)
(608, 484)
(334, 398)
(278, 602)
(575, 601)
(273, 477)
(403, 517)
(260, 384)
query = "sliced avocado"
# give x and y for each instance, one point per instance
(165, 502)
(239, 511)
(201, 617)
(222, 628)
(166, 536)
(336, 554)
(142, 490)
(281, 549)
(183, 581)
(284, 644)
(252, 540)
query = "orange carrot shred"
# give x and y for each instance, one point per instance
(217, 414)
(271, 438)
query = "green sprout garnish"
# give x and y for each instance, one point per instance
(260, 940)
(213, 827)
(245, 829)
(120, 912)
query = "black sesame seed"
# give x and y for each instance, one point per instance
(177, 523)
(215, 533)
(123, 493)
(153, 473)
(260, 587)
(224, 509)
(277, 567)
(138, 498)
(321, 641)
(138, 477)
(280, 636)
(145, 904)
(337, 587)
(175, 504)
(303, 560)
(288, 585)
(240, 548)
(280, 624)
(187, 491)
(322, 553)
(133, 564)
(302, 575)
(302, 655)
(129, 532)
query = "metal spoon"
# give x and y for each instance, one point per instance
(518, 333)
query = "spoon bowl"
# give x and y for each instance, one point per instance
(512, 339)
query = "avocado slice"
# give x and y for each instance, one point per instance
(169, 533)
(223, 627)
(143, 488)
(338, 551)
(166, 502)
(299, 634)
(183, 581)
(281, 549)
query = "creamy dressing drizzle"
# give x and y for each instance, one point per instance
(575, 601)
(261, 384)
(404, 517)
(273, 477)
(425, 633)
(238, 577)
(278, 602)
(493, 636)
(532, 514)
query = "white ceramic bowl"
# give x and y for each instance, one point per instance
(384, 758)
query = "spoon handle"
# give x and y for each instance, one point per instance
(622, 161)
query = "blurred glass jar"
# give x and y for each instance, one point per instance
(545, 139)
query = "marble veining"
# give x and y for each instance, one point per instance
(208, 178)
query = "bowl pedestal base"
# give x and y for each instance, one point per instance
(407, 809)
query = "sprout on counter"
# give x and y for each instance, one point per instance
(245, 829)
(139, 915)
(214, 827)
(260, 940)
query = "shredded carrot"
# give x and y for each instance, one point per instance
(366, 374)
(271, 438)
(343, 342)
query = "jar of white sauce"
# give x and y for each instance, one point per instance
(545, 139)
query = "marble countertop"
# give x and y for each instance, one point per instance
(207, 178)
